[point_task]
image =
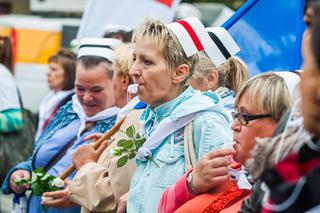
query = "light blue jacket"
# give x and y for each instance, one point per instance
(210, 131)
(228, 98)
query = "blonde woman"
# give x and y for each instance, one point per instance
(259, 105)
(98, 183)
(161, 69)
(225, 79)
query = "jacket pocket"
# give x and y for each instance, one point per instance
(171, 167)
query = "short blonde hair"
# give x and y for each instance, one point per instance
(267, 92)
(168, 42)
(232, 74)
(123, 58)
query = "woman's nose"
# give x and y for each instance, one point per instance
(236, 126)
(134, 71)
(87, 96)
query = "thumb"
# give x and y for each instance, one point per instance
(102, 147)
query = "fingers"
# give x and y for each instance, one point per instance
(218, 162)
(218, 180)
(218, 172)
(102, 147)
(56, 194)
(55, 203)
(94, 136)
(220, 153)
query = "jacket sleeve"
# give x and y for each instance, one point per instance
(102, 184)
(25, 165)
(11, 120)
(175, 196)
(211, 131)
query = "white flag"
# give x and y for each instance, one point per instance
(130, 13)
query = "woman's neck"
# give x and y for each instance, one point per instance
(176, 92)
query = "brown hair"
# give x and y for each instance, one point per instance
(6, 57)
(67, 59)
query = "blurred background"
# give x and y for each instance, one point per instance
(40, 27)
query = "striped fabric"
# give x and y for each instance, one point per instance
(11, 120)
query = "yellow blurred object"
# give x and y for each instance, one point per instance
(36, 46)
(35, 38)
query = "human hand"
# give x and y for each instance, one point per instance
(58, 199)
(18, 175)
(86, 154)
(94, 136)
(122, 205)
(211, 170)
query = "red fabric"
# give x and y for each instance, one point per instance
(166, 2)
(175, 196)
(47, 121)
(291, 169)
(192, 34)
(227, 197)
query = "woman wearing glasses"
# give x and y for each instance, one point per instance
(259, 105)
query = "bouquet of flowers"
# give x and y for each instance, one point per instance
(40, 183)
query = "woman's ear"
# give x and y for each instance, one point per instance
(125, 82)
(180, 73)
(213, 80)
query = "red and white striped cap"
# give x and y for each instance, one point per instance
(194, 37)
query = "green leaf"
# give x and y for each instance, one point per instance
(34, 177)
(116, 151)
(21, 182)
(122, 142)
(132, 154)
(130, 131)
(122, 161)
(126, 144)
(39, 170)
(45, 177)
(36, 189)
(139, 142)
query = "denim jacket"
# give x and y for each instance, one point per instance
(62, 118)
(210, 131)
(228, 98)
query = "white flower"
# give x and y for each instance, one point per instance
(44, 198)
(57, 182)
(17, 179)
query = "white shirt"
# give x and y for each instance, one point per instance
(9, 98)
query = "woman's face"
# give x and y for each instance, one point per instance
(151, 73)
(310, 87)
(94, 88)
(120, 83)
(56, 76)
(244, 136)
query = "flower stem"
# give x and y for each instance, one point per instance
(153, 161)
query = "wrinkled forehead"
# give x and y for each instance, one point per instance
(150, 39)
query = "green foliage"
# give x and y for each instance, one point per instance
(40, 183)
(127, 148)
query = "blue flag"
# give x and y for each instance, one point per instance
(269, 34)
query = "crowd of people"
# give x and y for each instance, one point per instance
(196, 134)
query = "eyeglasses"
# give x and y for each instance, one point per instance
(244, 118)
